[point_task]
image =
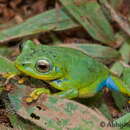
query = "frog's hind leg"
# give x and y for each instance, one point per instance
(91, 89)
(115, 84)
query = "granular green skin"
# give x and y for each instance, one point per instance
(70, 70)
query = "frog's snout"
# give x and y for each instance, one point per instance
(25, 63)
(22, 64)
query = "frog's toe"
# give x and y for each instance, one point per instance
(22, 80)
(129, 102)
(36, 93)
(8, 76)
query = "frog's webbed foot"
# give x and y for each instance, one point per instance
(36, 93)
(8, 76)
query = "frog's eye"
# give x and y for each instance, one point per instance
(43, 66)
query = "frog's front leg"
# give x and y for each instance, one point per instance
(71, 93)
(36, 93)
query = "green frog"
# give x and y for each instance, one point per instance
(69, 70)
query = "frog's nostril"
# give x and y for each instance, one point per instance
(25, 63)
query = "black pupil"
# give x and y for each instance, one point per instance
(43, 67)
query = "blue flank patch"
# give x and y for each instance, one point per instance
(109, 83)
(59, 81)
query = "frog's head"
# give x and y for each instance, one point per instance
(39, 61)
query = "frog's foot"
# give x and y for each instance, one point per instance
(22, 80)
(8, 76)
(36, 93)
(129, 101)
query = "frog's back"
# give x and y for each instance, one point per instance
(80, 67)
